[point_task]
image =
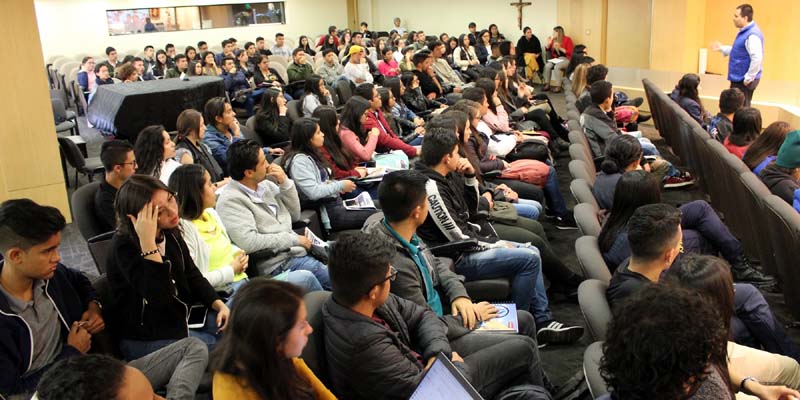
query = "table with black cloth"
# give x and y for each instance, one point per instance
(123, 109)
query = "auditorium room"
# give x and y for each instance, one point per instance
(370, 199)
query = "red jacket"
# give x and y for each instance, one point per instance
(388, 139)
(339, 173)
(566, 44)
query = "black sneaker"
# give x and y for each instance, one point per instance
(743, 271)
(555, 332)
(566, 222)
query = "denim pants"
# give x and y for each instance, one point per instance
(306, 263)
(552, 194)
(528, 208)
(705, 233)
(177, 367)
(520, 264)
(497, 362)
(649, 149)
(302, 278)
(754, 325)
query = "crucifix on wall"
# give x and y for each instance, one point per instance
(519, 4)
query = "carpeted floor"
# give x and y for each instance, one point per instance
(563, 364)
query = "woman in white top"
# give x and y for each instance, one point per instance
(155, 153)
(465, 58)
(218, 259)
(316, 94)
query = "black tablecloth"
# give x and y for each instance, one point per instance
(123, 110)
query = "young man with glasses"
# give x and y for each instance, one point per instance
(379, 344)
(119, 163)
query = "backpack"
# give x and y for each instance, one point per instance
(530, 149)
(530, 171)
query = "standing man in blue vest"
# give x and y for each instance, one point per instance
(746, 54)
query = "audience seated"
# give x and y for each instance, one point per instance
(623, 154)
(681, 351)
(299, 70)
(782, 177)
(261, 47)
(50, 312)
(161, 64)
(271, 121)
(407, 119)
(222, 129)
(764, 149)
(450, 81)
(86, 76)
(311, 173)
(150, 300)
(703, 231)
(181, 67)
(388, 139)
(238, 87)
(119, 163)
(177, 368)
(356, 70)
(330, 70)
(191, 131)
(264, 76)
(429, 83)
(142, 73)
(559, 47)
(316, 94)
(746, 128)
(244, 63)
(265, 363)
(340, 159)
(258, 209)
(378, 344)
(687, 96)
(279, 48)
(210, 67)
(220, 261)
(453, 199)
(652, 253)
(155, 153)
(358, 142)
(742, 307)
(413, 96)
(720, 126)
(388, 66)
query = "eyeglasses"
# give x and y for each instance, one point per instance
(392, 276)
(131, 163)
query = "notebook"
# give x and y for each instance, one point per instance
(444, 381)
(504, 322)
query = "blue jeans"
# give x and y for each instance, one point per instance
(649, 149)
(754, 325)
(522, 265)
(552, 194)
(306, 263)
(302, 278)
(528, 208)
(417, 141)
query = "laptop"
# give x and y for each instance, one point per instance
(444, 381)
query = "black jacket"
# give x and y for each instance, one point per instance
(368, 361)
(779, 183)
(452, 209)
(202, 155)
(151, 299)
(272, 131)
(71, 293)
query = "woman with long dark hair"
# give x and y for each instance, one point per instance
(151, 273)
(271, 122)
(483, 49)
(264, 363)
(465, 59)
(210, 67)
(764, 150)
(494, 34)
(311, 174)
(746, 128)
(413, 96)
(687, 96)
(341, 161)
(302, 43)
(703, 231)
(352, 119)
(316, 94)
(155, 153)
(329, 43)
(407, 119)
(191, 130)
(162, 65)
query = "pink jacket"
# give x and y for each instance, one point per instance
(498, 122)
(388, 69)
(351, 142)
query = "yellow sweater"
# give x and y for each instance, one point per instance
(230, 387)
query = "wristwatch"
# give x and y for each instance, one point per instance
(99, 304)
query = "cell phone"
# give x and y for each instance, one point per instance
(197, 316)
(351, 203)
